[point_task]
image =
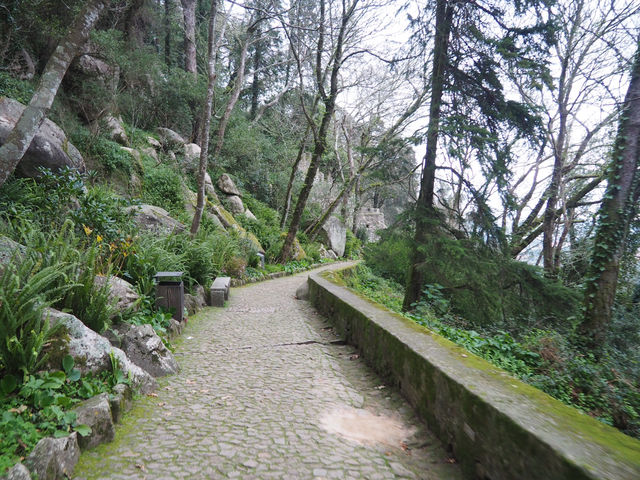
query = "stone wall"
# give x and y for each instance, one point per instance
(372, 219)
(497, 426)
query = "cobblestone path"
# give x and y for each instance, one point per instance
(263, 393)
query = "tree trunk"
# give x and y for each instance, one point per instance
(189, 13)
(167, 33)
(615, 215)
(255, 84)
(206, 119)
(292, 177)
(32, 117)
(425, 213)
(320, 139)
(235, 94)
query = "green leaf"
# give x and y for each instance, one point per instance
(60, 434)
(67, 363)
(83, 430)
(74, 375)
(8, 384)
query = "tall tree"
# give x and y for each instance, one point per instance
(206, 118)
(328, 99)
(425, 210)
(32, 117)
(617, 210)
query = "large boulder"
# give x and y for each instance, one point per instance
(171, 141)
(335, 235)
(195, 302)
(226, 185)
(235, 204)
(209, 190)
(192, 156)
(155, 219)
(96, 413)
(54, 458)
(145, 348)
(121, 401)
(50, 147)
(91, 351)
(121, 293)
(115, 129)
(95, 83)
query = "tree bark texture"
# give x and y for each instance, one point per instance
(425, 212)
(206, 119)
(616, 212)
(189, 14)
(29, 122)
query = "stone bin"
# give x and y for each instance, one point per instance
(170, 293)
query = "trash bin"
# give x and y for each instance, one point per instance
(170, 293)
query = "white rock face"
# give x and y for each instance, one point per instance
(336, 235)
(91, 351)
(192, 156)
(115, 128)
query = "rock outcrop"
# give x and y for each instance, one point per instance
(50, 147)
(54, 458)
(145, 348)
(335, 235)
(9, 249)
(171, 141)
(155, 219)
(92, 351)
(226, 185)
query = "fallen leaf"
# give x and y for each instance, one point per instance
(465, 355)
(162, 404)
(152, 394)
(405, 447)
(141, 467)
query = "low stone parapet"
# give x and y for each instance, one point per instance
(497, 426)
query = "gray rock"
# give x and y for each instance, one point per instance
(18, 472)
(86, 70)
(302, 293)
(175, 328)
(249, 214)
(155, 144)
(209, 190)
(150, 152)
(9, 249)
(115, 129)
(155, 219)
(120, 401)
(121, 294)
(195, 302)
(171, 140)
(192, 156)
(145, 348)
(50, 147)
(54, 458)
(335, 234)
(91, 351)
(372, 220)
(226, 185)
(235, 204)
(96, 413)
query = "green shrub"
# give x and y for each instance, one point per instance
(353, 246)
(391, 256)
(162, 186)
(109, 153)
(20, 90)
(102, 211)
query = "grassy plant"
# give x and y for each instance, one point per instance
(25, 291)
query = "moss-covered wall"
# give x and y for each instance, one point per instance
(497, 427)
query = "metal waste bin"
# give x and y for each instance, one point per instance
(170, 293)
